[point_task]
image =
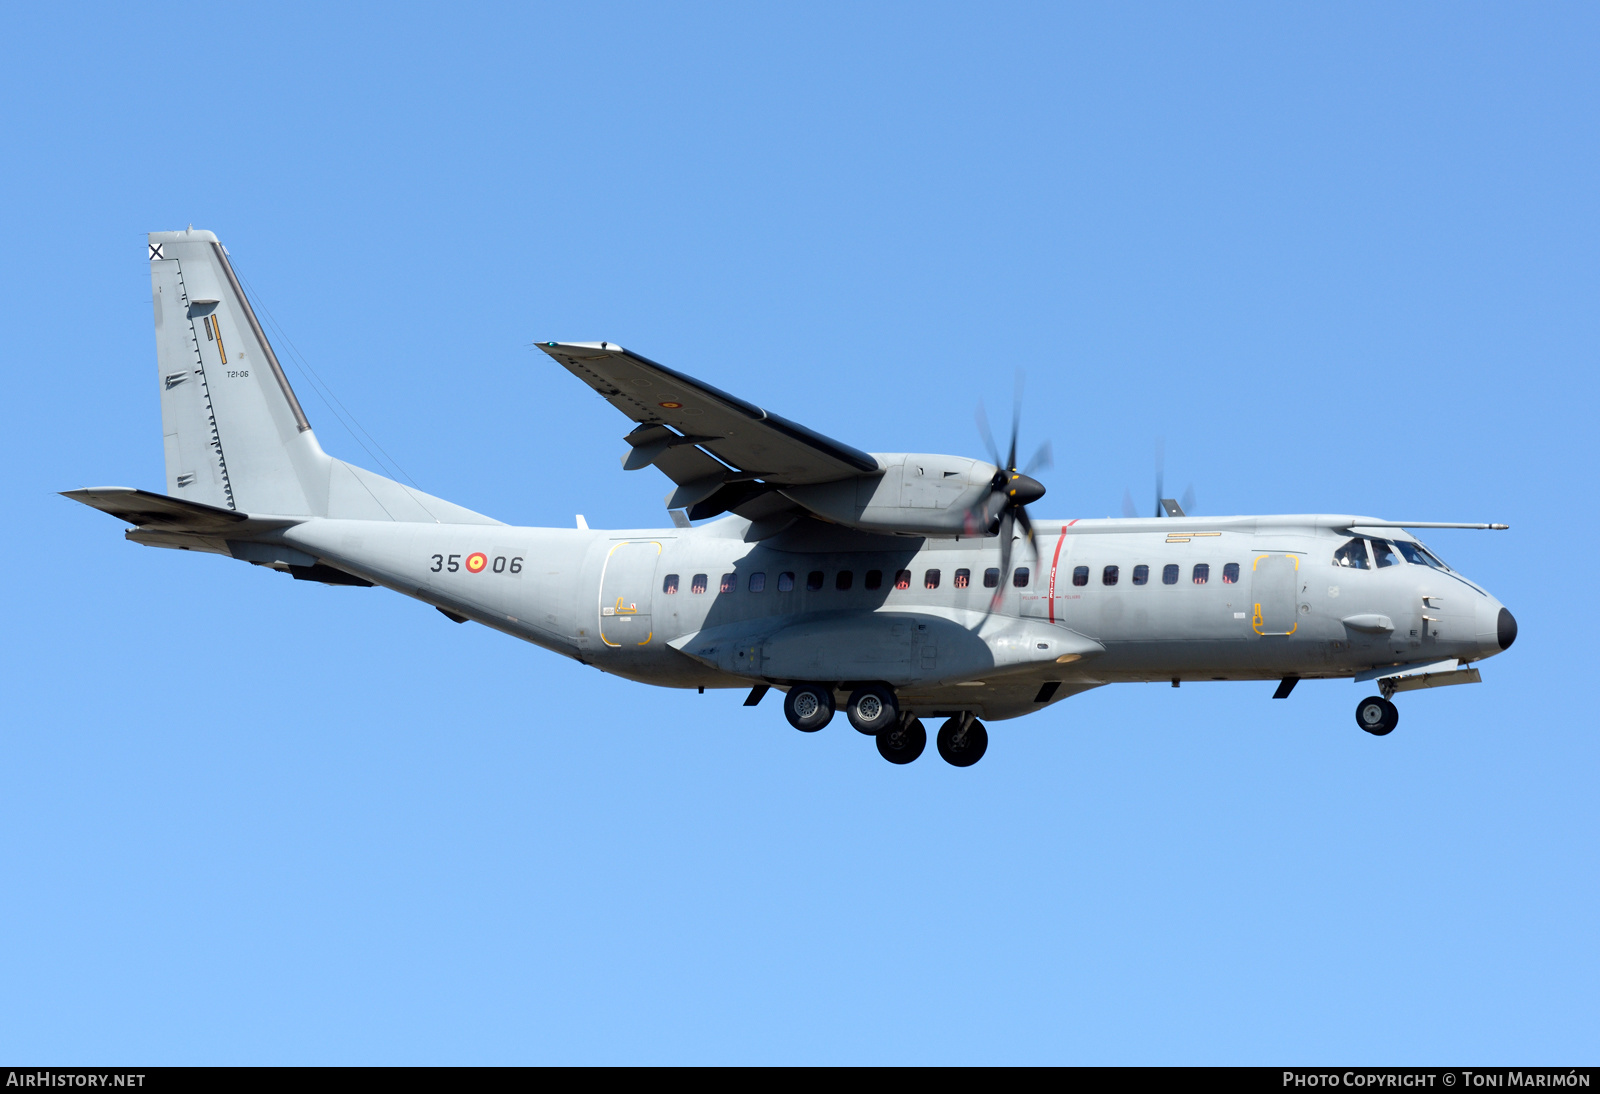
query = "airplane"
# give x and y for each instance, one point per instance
(898, 585)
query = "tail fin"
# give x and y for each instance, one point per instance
(235, 435)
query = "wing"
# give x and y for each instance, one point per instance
(681, 420)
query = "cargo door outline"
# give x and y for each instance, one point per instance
(627, 584)
(1274, 581)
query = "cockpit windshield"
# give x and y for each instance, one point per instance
(1383, 554)
(1353, 555)
(1418, 555)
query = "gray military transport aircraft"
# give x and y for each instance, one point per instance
(883, 581)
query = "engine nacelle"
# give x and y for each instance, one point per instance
(916, 493)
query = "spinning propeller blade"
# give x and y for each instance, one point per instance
(1011, 491)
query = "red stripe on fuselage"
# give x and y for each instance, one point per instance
(1061, 537)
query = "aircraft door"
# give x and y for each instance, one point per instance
(626, 588)
(1274, 580)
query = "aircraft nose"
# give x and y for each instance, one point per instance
(1506, 629)
(1024, 489)
(1497, 627)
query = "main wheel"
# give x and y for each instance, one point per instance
(903, 742)
(808, 707)
(962, 749)
(1377, 715)
(873, 709)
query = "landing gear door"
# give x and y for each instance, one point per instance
(1274, 580)
(626, 588)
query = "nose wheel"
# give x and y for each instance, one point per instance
(1377, 716)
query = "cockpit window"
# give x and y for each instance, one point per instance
(1418, 555)
(1353, 555)
(1383, 554)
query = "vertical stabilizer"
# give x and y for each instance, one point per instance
(234, 433)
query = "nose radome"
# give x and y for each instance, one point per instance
(1506, 629)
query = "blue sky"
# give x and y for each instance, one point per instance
(1340, 260)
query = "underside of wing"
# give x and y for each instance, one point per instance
(723, 452)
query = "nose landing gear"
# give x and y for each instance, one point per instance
(1377, 715)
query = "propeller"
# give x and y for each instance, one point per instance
(1011, 491)
(1185, 506)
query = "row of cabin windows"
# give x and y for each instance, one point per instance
(845, 579)
(1201, 574)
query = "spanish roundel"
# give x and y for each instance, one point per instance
(476, 562)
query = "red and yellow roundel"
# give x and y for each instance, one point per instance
(476, 562)
(671, 406)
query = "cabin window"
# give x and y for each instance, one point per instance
(1383, 554)
(930, 580)
(1109, 575)
(991, 577)
(1141, 575)
(1080, 575)
(873, 580)
(1202, 572)
(1230, 574)
(814, 581)
(785, 582)
(758, 582)
(1169, 574)
(1020, 577)
(670, 585)
(698, 584)
(902, 579)
(729, 583)
(1352, 555)
(963, 578)
(844, 580)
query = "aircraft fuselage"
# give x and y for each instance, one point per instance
(1235, 598)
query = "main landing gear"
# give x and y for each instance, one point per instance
(904, 742)
(963, 740)
(1377, 715)
(808, 707)
(874, 710)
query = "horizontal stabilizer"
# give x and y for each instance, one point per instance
(162, 513)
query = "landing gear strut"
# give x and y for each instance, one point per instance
(808, 707)
(963, 740)
(873, 709)
(1377, 715)
(903, 742)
